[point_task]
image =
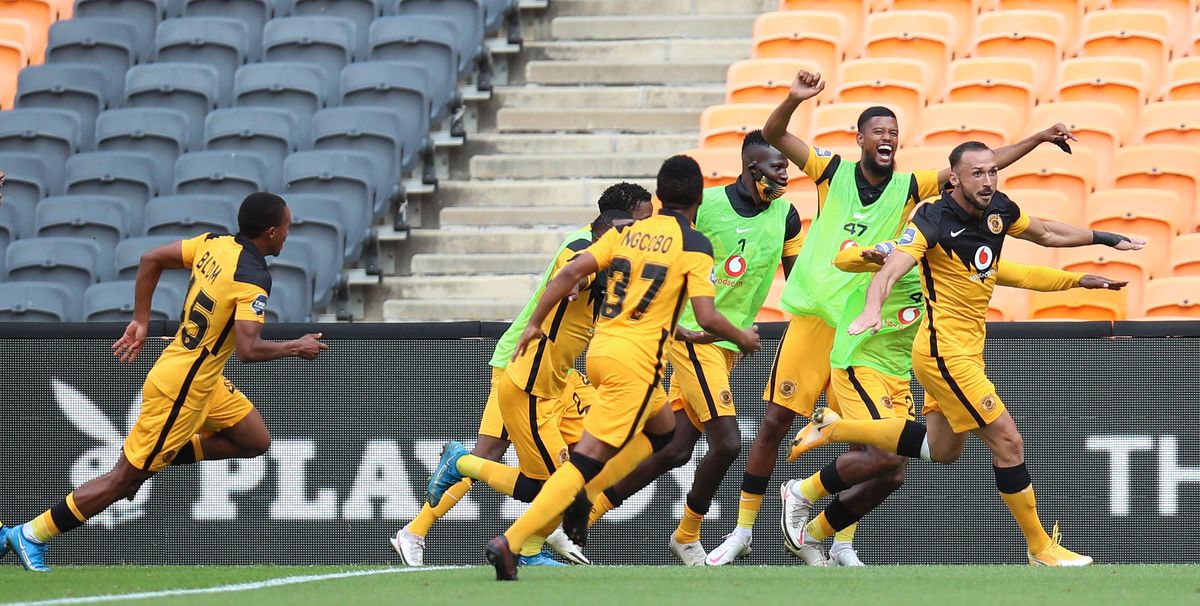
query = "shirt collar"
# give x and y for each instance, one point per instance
(866, 191)
(249, 246)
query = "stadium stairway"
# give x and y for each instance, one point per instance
(601, 91)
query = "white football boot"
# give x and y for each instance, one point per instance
(735, 547)
(409, 546)
(844, 556)
(569, 551)
(794, 517)
(689, 554)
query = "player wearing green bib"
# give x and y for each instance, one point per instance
(858, 203)
(493, 441)
(752, 229)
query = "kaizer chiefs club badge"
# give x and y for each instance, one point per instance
(995, 224)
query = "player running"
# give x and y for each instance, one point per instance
(752, 229)
(190, 411)
(492, 441)
(654, 267)
(957, 241)
(863, 202)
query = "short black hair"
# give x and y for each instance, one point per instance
(623, 196)
(875, 111)
(604, 222)
(956, 154)
(260, 211)
(680, 183)
(755, 138)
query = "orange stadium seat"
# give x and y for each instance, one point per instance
(1193, 46)
(1024, 251)
(925, 36)
(1134, 266)
(1047, 204)
(1008, 305)
(763, 80)
(1100, 126)
(853, 13)
(1156, 213)
(901, 84)
(836, 125)
(1184, 258)
(65, 8)
(1171, 167)
(1183, 79)
(1138, 34)
(995, 124)
(1170, 122)
(771, 312)
(996, 80)
(924, 157)
(1036, 35)
(1119, 80)
(961, 12)
(1047, 167)
(1079, 304)
(814, 35)
(1179, 14)
(726, 125)
(1172, 297)
(14, 55)
(39, 14)
(1071, 11)
(804, 203)
(720, 165)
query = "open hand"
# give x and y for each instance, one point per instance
(874, 255)
(127, 348)
(1131, 244)
(865, 322)
(532, 333)
(1100, 282)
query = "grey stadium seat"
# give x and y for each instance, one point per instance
(72, 262)
(129, 176)
(264, 130)
(9, 230)
(376, 131)
(38, 302)
(128, 256)
(102, 219)
(296, 87)
(113, 302)
(326, 42)
(227, 174)
(78, 88)
(162, 133)
(189, 87)
(24, 187)
(277, 304)
(319, 215)
(413, 40)
(344, 175)
(252, 13)
(290, 271)
(109, 44)
(360, 12)
(188, 216)
(466, 15)
(144, 15)
(50, 135)
(494, 12)
(216, 41)
(317, 220)
(399, 87)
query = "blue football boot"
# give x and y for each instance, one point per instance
(31, 554)
(446, 474)
(542, 558)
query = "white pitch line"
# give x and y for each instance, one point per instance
(168, 593)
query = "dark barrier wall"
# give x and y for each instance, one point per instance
(1110, 428)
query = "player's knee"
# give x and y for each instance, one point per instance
(772, 430)
(676, 455)
(660, 441)
(885, 463)
(726, 446)
(256, 447)
(896, 478)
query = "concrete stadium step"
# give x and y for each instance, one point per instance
(517, 216)
(663, 144)
(550, 166)
(490, 241)
(649, 97)
(659, 7)
(497, 288)
(686, 49)
(560, 192)
(426, 310)
(631, 72)
(653, 26)
(582, 120)
(462, 265)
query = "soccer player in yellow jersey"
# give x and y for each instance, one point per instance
(654, 267)
(957, 241)
(190, 411)
(859, 203)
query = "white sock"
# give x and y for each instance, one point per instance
(742, 533)
(925, 449)
(27, 530)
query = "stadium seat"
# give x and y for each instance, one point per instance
(494, 13)
(413, 40)
(1101, 127)
(160, 133)
(962, 13)
(815, 35)
(466, 15)
(188, 216)
(994, 124)
(1047, 204)
(377, 131)
(25, 184)
(188, 87)
(361, 12)
(1034, 35)
(1170, 122)
(1183, 79)
(720, 165)
(1157, 166)
(1119, 80)
(764, 80)
(228, 174)
(1137, 34)
(251, 13)
(1184, 257)
(129, 253)
(836, 125)
(291, 271)
(215, 41)
(1158, 214)
(144, 15)
(1008, 304)
(296, 87)
(102, 219)
(1179, 14)
(1079, 304)
(1172, 297)
(109, 44)
(926, 157)
(37, 302)
(924, 36)
(39, 14)
(326, 42)
(318, 217)
(897, 83)
(1047, 167)
(802, 193)
(113, 302)
(1009, 81)
(399, 87)
(726, 125)
(266, 131)
(771, 311)
(72, 262)
(1070, 10)
(14, 55)
(127, 176)
(1024, 251)
(77, 88)
(1134, 266)
(344, 175)
(853, 12)
(9, 229)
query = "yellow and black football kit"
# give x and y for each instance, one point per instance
(185, 392)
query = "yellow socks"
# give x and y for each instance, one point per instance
(533, 545)
(883, 434)
(689, 527)
(626, 460)
(558, 492)
(1016, 489)
(748, 506)
(812, 488)
(499, 476)
(600, 507)
(846, 535)
(54, 521)
(819, 528)
(424, 521)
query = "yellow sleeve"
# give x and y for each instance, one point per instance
(912, 242)
(251, 303)
(927, 183)
(602, 249)
(792, 246)
(1020, 225)
(698, 268)
(818, 159)
(189, 248)
(851, 260)
(1035, 277)
(565, 257)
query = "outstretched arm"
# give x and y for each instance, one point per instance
(806, 85)
(1048, 279)
(1007, 155)
(1053, 234)
(714, 323)
(251, 347)
(881, 286)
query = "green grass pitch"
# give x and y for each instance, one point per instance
(1160, 585)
